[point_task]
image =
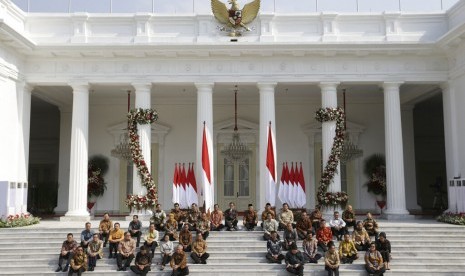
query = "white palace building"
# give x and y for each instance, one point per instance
(65, 76)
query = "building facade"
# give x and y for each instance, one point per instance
(65, 78)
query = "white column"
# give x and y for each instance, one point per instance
(24, 115)
(451, 140)
(143, 95)
(143, 91)
(204, 114)
(328, 131)
(395, 179)
(267, 115)
(164, 196)
(311, 182)
(77, 200)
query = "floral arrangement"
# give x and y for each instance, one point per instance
(335, 199)
(452, 218)
(324, 197)
(19, 220)
(375, 169)
(148, 201)
(96, 169)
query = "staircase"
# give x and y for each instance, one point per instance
(419, 247)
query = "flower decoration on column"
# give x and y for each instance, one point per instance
(324, 197)
(138, 202)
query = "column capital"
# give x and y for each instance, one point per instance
(80, 86)
(328, 85)
(388, 85)
(445, 85)
(26, 87)
(142, 86)
(262, 86)
(204, 86)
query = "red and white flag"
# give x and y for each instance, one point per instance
(291, 191)
(207, 164)
(282, 195)
(191, 187)
(183, 189)
(301, 197)
(175, 198)
(286, 183)
(270, 178)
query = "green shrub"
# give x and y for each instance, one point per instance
(19, 221)
(452, 218)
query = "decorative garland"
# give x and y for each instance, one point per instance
(95, 182)
(148, 201)
(324, 197)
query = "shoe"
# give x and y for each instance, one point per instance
(58, 269)
(114, 256)
(91, 268)
(162, 267)
(105, 245)
(204, 262)
(65, 269)
(119, 269)
(124, 268)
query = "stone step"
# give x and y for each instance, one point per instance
(417, 250)
(220, 248)
(54, 255)
(258, 230)
(52, 259)
(224, 266)
(236, 235)
(400, 245)
(244, 272)
(251, 269)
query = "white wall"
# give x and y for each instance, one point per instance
(10, 119)
(9, 124)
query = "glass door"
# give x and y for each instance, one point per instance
(236, 182)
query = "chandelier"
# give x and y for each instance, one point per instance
(123, 149)
(236, 151)
(349, 151)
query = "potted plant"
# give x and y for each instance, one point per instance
(96, 186)
(375, 170)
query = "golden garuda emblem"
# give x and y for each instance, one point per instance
(235, 20)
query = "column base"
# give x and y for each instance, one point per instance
(328, 212)
(397, 215)
(76, 215)
(75, 218)
(144, 215)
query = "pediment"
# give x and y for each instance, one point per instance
(242, 125)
